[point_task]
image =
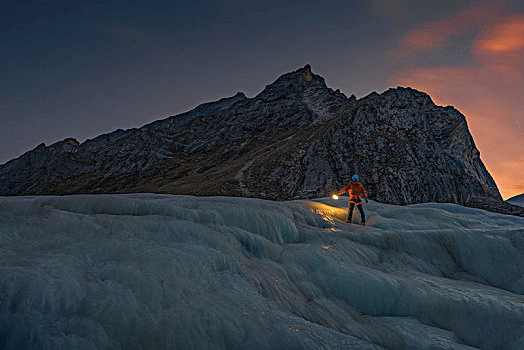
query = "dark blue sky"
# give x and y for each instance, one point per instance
(79, 70)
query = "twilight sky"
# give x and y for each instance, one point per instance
(73, 70)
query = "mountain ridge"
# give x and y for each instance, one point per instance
(517, 200)
(297, 138)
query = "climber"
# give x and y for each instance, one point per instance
(355, 191)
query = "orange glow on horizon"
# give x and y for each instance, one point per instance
(491, 120)
(488, 90)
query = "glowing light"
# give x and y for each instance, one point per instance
(335, 196)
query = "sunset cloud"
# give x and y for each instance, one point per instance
(507, 37)
(430, 36)
(488, 88)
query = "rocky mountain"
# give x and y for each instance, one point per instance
(296, 139)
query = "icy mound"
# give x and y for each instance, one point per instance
(176, 272)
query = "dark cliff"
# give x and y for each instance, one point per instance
(296, 139)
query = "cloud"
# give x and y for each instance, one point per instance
(506, 37)
(488, 89)
(430, 36)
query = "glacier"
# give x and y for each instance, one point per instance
(148, 271)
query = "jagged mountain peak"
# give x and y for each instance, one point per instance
(293, 83)
(402, 94)
(407, 93)
(301, 77)
(297, 139)
(313, 101)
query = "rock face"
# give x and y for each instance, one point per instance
(296, 139)
(496, 206)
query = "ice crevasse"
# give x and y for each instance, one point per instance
(145, 271)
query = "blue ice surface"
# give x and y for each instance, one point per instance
(147, 271)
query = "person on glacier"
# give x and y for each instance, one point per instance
(355, 191)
